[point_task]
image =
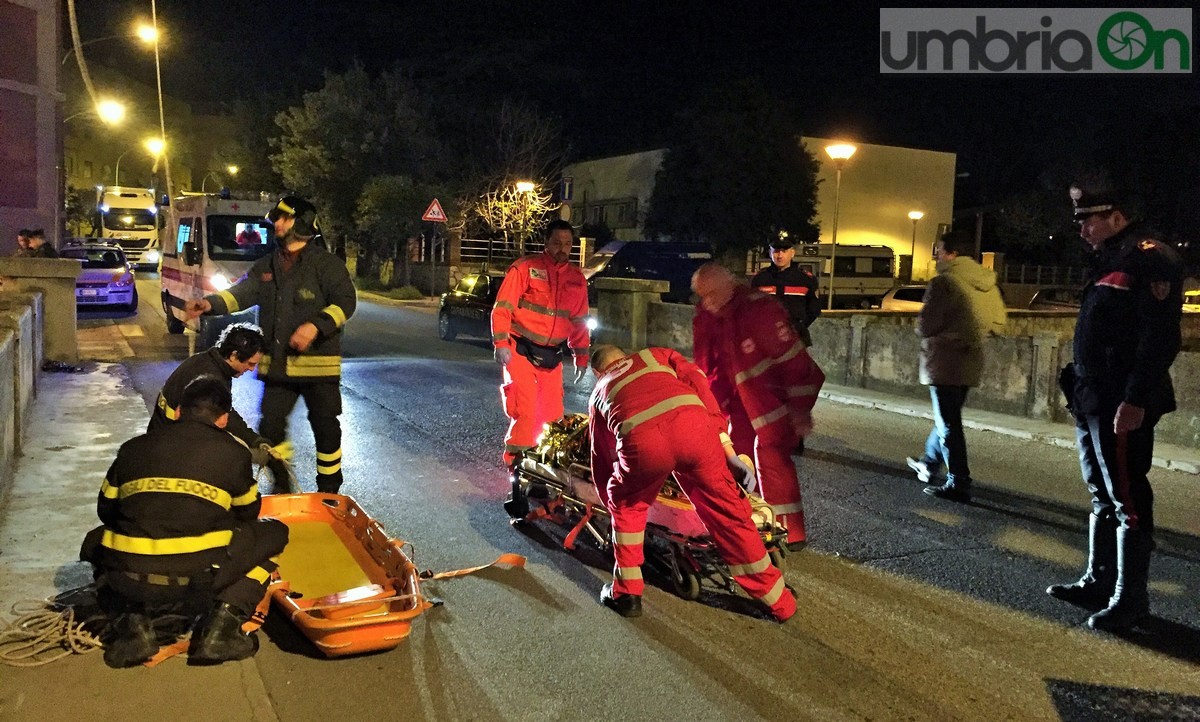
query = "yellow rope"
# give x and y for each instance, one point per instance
(44, 632)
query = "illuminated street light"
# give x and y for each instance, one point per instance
(146, 33)
(152, 145)
(111, 112)
(525, 186)
(839, 153)
(913, 216)
(233, 169)
(155, 145)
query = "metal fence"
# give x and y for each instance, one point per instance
(1044, 275)
(498, 254)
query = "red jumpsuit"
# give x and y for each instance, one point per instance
(652, 414)
(540, 305)
(766, 384)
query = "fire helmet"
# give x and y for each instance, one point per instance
(304, 212)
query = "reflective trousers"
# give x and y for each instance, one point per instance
(645, 458)
(532, 397)
(771, 447)
(324, 403)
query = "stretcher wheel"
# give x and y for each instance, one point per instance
(517, 504)
(686, 581)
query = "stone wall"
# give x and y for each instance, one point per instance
(21, 334)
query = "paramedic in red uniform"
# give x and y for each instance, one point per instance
(541, 305)
(764, 380)
(652, 414)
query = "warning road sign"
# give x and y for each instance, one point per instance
(434, 213)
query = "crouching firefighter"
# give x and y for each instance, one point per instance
(180, 508)
(651, 414)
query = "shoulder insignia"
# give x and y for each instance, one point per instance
(306, 294)
(784, 331)
(538, 274)
(748, 345)
(1146, 245)
(267, 277)
(1160, 289)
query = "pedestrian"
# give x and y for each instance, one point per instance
(651, 414)
(1118, 386)
(794, 286)
(961, 308)
(22, 243)
(540, 314)
(38, 248)
(179, 526)
(239, 349)
(304, 296)
(763, 379)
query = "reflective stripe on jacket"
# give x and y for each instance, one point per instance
(544, 302)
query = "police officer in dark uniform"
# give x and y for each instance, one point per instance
(179, 508)
(794, 286)
(1118, 387)
(304, 295)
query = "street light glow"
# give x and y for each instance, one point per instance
(233, 169)
(110, 111)
(840, 151)
(915, 215)
(147, 33)
(155, 146)
(525, 186)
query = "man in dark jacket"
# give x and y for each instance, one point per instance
(179, 509)
(38, 248)
(795, 287)
(304, 295)
(1118, 387)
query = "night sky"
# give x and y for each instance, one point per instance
(617, 74)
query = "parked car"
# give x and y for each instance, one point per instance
(468, 308)
(1056, 298)
(107, 278)
(672, 261)
(903, 298)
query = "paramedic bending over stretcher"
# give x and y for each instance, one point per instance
(651, 414)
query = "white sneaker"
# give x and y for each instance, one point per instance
(922, 469)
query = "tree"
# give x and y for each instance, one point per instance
(738, 176)
(81, 210)
(388, 215)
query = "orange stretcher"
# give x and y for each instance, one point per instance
(343, 582)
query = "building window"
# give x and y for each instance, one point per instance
(597, 215)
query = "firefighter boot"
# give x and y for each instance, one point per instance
(218, 637)
(627, 605)
(133, 641)
(1095, 587)
(1130, 602)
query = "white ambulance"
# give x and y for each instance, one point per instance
(214, 241)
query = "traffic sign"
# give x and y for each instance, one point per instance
(566, 189)
(434, 213)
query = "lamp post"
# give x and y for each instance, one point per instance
(913, 216)
(110, 112)
(524, 188)
(839, 153)
(150, 34)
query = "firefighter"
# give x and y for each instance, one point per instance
(304, 295)
(238, 350)
(764, 380)
(541, 308)
(1118, 386)
(652, 414)
(179, 509)
(793, 285)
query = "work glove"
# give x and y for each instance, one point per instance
(743, 471)
(579, 372)
(260, 454)
(503, 355)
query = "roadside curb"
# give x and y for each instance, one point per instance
(429, 303)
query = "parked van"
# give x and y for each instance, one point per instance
(214, 242)
(862, 276)
(129, 217)
(673, 261)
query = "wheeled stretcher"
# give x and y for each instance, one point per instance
(553, 481)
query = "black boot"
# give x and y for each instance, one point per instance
(1130, 602)
(1095, 587)
(280, 483)
(132, 642)
(959, 491)
(627, 605)
(218, 637)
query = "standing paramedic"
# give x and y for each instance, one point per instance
(1118, 387)
(304, 295)
(652, 414)
(764, 380)
(542, 305)
(794, 286)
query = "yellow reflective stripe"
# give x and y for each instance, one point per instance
(652, 366)
(231, 304)
(505, 305)
(629, 537)
(336, 313)
(576, 320)
(503, 336)
(659, 409)
(329, 457)
(158, 547)
(794, 391)
(249, 497)
(259, 575)
(767, 418)
(628, 573)
(536, 337)
(264, 365)
(313, 365)
(172, 414)
(331, 469)
(744, 570)
(794, 508)
(108, 490)
(761, 367)
(580, 351)
(191, 487)
(774, 593)
(286, 208)
(543, 310)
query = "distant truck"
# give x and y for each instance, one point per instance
(214, 241)
(129, 217)
(863, 274)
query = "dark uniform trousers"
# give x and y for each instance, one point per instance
(323, 399)
(1116, 470)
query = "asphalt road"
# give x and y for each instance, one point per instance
(910, 608)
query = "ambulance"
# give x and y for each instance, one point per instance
(213, 243)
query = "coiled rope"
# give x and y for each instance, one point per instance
(45, 632)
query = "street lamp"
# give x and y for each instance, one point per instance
(110, 112)
(524, 188)
(152, 145)
(839, 153)
(150, 34)
(913, 216)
